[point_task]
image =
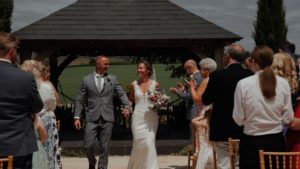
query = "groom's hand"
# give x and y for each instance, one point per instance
(125, 113)
(77, 124)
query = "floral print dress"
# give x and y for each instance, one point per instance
(51, 145)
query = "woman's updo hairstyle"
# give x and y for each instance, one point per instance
(148, 65)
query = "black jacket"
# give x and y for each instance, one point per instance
(220, 93)
(19, 98)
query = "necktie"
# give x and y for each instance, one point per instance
(99, 87)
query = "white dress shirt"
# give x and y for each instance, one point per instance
(96, 76)
(5, 60)
(258, 115)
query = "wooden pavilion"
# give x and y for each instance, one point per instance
(121, 28)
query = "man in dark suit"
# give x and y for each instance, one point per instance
(19, 103)
(96, 94)
(220, 93)
(191, 69)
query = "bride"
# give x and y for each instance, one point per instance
(144, 119)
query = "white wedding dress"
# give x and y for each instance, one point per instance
(144, 126)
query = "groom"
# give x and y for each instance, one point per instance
(96, 94)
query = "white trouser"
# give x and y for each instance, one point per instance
(221, 149)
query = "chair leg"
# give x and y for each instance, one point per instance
(189, 161)
(215, 158)
(194, 163)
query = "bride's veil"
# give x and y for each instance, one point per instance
(153, 75)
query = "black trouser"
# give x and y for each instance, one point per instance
(20, 162)
(250, 146)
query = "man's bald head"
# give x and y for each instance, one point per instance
(235, 52)
(190, 66)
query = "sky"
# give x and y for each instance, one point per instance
(234, 15)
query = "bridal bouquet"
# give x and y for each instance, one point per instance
(159, 99)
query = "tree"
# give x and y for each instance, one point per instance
(270, 27)
(6, 9)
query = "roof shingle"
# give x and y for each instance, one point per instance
(123, 20)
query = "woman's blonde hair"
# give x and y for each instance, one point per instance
(33, 66)
(284, 66)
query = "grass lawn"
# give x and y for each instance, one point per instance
(71, 77)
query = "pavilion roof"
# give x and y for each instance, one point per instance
(124, 20)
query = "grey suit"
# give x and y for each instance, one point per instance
(191, 111)
(99, 115)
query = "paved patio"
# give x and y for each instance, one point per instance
(120, 162)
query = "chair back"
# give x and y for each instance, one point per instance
(197, 136)
(8, 161)
(193, 152)
(233, 150)
(276, 160)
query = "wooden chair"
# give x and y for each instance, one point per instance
(194, 148)
(190, 151)
(8, 160)
(233, 150)
(276, 160)
(193, 152)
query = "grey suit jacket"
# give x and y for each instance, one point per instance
(19, 98)
(99, 104)
(191, 106)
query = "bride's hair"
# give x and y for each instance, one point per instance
(148, 65)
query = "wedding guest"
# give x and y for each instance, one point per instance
(45, 73)
(219, 92)
(39, 158)
(51, 145)
(144, 122)
(205, 154)
(192, 71)
(284, 66)
(262, 103)
(292, 136)
(207, 65)
(19, 102)
(246, 63)
(298, 67)
(289, 48)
